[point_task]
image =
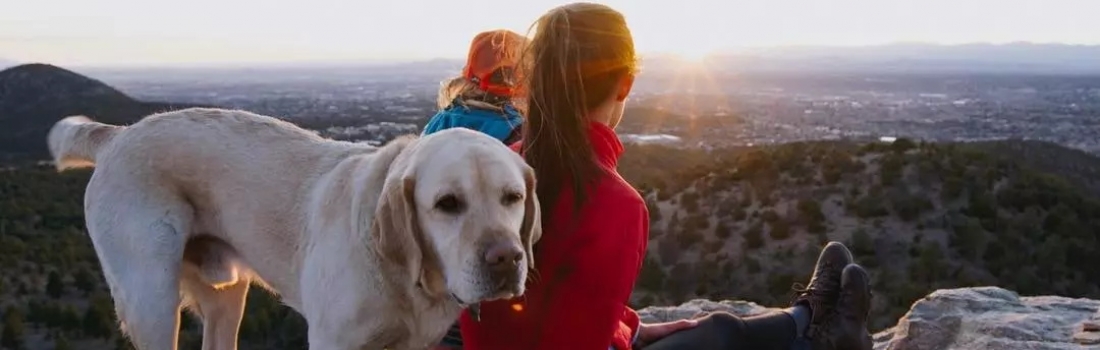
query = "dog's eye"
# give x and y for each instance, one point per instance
(449, 204)
(512, 198)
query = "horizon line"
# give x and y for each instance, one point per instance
(382, 62)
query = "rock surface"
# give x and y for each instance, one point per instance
(955, 319)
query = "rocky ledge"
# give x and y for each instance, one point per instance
(968, 318)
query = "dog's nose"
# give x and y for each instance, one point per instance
(502, 262)
(503, 255)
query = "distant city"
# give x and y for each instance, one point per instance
(692, 107)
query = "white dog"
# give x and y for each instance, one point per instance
(376, 247)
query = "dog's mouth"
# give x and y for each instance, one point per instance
(474, 308)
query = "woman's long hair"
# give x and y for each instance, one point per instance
(578, 56)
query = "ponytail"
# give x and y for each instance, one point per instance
(576, 59)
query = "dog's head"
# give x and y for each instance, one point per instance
(459, 211)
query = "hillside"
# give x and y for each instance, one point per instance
(738, 223)
(1078, 167)
(748, 223)
(34, 96)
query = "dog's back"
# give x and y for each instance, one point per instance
(178, 200)
(78, 141)
(214, 158)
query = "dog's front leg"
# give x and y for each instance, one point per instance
(350, 327)
(342, 305)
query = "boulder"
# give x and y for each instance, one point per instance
(994, 319)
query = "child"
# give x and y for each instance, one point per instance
(481, 98)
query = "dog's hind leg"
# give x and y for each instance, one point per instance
(146, 292)
(139, 236)
(215, 285)
(220, 309)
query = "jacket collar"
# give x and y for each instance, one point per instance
(605, 144)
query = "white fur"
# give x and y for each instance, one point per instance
(188, 208)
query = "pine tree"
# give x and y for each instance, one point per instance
(121, 343)
(97, 323)
(69, 318)
(84, 280)
(62, 343)
(55, 288)
(13, 333)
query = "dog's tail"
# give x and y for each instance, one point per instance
(75, 141)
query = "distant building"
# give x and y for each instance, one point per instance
(664, 139)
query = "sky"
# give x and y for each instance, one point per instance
(162, 32)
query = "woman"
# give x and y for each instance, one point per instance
(480, 99)
(577, 71)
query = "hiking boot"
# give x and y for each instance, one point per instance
(846, 327)
(823, 291)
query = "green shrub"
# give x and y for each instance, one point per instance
(982, 206)
(651, 277)
(902, 144)
(722, 231)
(752, 266)
(909, 206)
(769, 216)
(689, 201)
(754, 237)
(780, 230)
(739, 214)
(968, 238)
(689, 239)
(870, 206)
(890, 169)
(810, 210)
(861, 243)
(952, 188)
(817, 227)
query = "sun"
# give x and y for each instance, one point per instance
(694, 54)
(691, 59)
(694, 51)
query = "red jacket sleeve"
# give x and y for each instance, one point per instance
(585, 303)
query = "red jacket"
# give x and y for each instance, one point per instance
(576, 298)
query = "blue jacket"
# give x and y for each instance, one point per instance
(502, 126)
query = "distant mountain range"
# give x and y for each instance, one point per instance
(35, 96)
(334, 71)
(907, 58)
(916, 58)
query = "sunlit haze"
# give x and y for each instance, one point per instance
(121, 32)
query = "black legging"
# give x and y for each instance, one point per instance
(724, 331)
(717, 331)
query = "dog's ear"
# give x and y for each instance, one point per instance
(398, 237)
(531, 230)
